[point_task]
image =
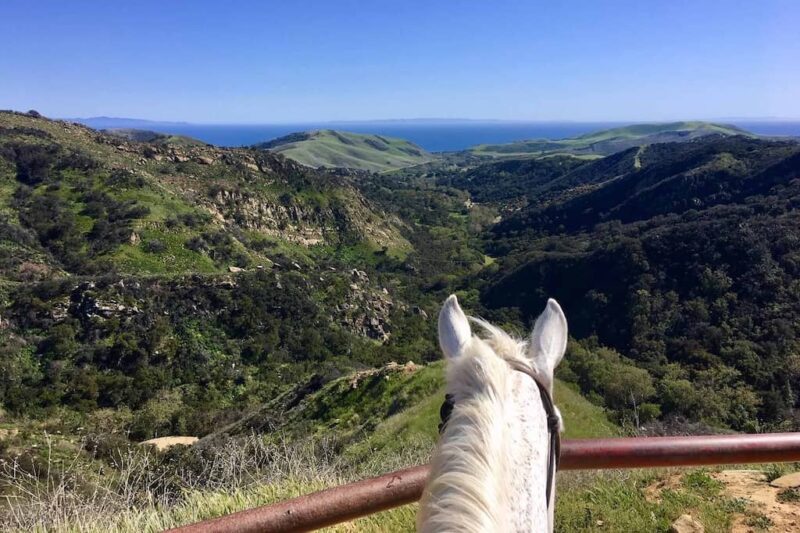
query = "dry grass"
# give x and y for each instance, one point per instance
(139, 489)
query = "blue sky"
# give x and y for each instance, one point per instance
(261, 62)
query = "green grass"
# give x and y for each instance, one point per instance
(416, 427)
(604, 502)
(174, 260)
(789, 495)
(329, 148)
(582, 419)
(612, 501)
(605, 142)
(636, 131)
(616, 501)
(702, 483)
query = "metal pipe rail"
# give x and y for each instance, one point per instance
(347, 502)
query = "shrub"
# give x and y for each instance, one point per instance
(154, 246)
(34, 162)
(124, 178)
(194, 219)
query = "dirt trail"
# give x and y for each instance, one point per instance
(162, 443)
(752, 485)
(749, 486)
(637, 161)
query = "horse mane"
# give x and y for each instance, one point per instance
(465, 491)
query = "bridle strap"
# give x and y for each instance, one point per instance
(554, 454)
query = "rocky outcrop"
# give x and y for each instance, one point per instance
(360, 306)
(86, 305)
(293, 222)
(367, 310)
(686, 524)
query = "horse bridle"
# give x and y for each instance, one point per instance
(554, 454)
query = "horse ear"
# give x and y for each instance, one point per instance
(549, 339)
(454, 331)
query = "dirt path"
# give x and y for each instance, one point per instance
(763, 510)
(752, 485)
(162, 443)
(637, 162)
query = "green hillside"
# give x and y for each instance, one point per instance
(393, 410)
(417, 425)
(339, 149)
(150, 289)
(153, 137)
(77, 201)
(219, 278)
(607, 142)
(686, 263)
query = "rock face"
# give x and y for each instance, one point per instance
(293, 222)
(686, 524)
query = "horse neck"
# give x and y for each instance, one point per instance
(490, 468)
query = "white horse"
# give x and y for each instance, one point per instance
(494, 467)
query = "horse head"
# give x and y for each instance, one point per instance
(494, 465)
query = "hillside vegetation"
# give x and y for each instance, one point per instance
(222, 474)
(687, 265)
(81, 202)
(286, 314)
(607, 142)
(183, 285)
(340, 149)
(389, 410)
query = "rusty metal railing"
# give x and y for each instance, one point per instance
(347, 502)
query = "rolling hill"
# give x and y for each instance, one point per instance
(607, 142)
(338, 149)
(153, 137)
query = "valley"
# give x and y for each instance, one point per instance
(154, 286)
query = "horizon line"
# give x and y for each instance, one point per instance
(433, 120)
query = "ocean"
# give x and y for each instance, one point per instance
(432, 136)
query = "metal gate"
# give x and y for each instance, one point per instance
(347, 502)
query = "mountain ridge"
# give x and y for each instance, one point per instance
(609, 141)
